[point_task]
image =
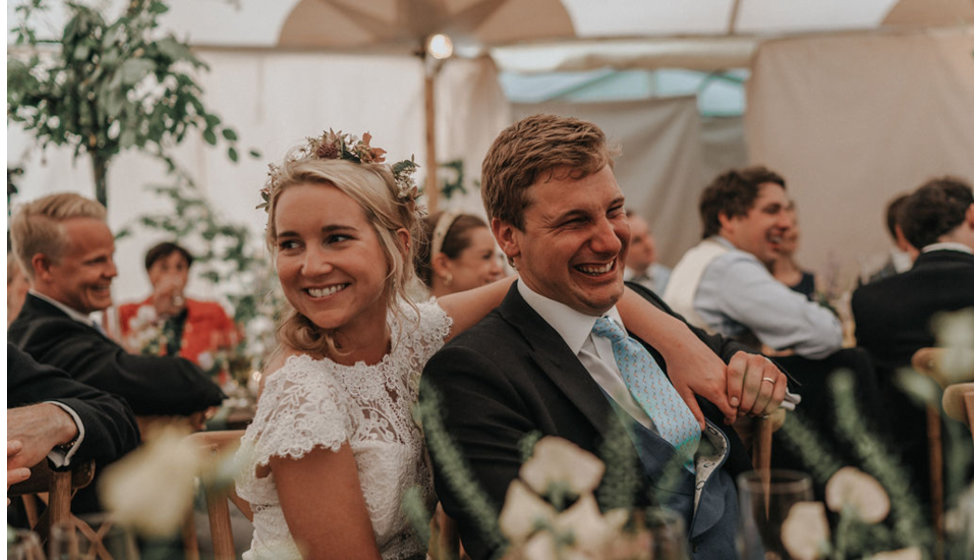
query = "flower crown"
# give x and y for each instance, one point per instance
(340, 145)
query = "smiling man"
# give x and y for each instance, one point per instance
(554, 357)
(722, 284)
(66, 248)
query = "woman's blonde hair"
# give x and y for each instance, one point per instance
(373, 187)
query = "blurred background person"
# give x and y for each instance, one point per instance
(457, 252)
(902, 253)
(17, 286)
(170, 324)
(641, 260)
(785, 268)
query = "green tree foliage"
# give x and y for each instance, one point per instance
(107, 86)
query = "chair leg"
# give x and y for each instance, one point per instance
(219, 519)
(934, 431)
(189, 534)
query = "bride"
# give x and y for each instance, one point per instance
(333, 445)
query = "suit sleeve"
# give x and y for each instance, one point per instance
(485, 417)
(152, 385)
(110, 427)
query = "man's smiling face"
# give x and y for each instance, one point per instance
(760, 231)
(574, 241)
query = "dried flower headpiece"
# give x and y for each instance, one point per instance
(340, 145)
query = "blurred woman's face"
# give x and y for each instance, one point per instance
(477, 264)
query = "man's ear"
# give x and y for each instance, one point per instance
(969, 217)
(507, 238)
(41, 265)
(725, 220)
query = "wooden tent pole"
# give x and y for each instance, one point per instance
(431, 190)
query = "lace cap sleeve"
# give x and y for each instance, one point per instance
(302, 407)
(426, 331)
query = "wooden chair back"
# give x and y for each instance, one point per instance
(53, 489)
(215, 445)
(958, 403)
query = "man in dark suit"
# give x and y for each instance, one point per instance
(66, 248)
(538, 362)
(51, 415)
(893, 316)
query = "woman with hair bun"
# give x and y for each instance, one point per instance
(457, 252)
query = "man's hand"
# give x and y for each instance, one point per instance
(168, 299)
(756, 382)
(39, 428)
(15, 474)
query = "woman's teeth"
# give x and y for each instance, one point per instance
(321, 292)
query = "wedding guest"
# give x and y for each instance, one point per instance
(893, 316)
(641, 261)
(785, 268)
(17, 286)
(185, 327)
(457, 252)
(66, 248)
(722, 283)
(51, 415)
(541, 361)
(902, 253)
(333, 446)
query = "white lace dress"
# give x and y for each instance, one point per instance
(318, 403)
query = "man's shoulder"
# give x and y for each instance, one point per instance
(493, 330)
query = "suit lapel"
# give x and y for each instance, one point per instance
(556, 360)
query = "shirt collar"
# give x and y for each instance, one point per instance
(573, 326)
(76, 315)
(947, 246)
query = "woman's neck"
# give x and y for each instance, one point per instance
(364, 341)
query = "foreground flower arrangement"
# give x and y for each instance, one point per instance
(551, 512)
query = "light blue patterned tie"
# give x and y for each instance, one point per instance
(652, 390)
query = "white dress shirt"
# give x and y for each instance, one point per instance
(594, 352)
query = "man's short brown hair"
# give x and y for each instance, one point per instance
(36, 227)
(934, 209)
(733, 193)
(531, 147)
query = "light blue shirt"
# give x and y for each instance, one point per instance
(737, 294)
(655, 278)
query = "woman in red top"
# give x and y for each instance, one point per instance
(167, 322)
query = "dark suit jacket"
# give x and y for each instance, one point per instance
(892, 319)
(892, 315)
(511, 374)
(110, 427)
(152, 385)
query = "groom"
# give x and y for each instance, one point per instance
(543, 362)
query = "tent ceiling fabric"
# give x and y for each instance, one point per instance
(403, 24)
(540, 35)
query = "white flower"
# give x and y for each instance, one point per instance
(152, 488)
(805, 530)
(559, 461)
(144, 315)
(591, 530)
(903, 554)
(851, 487)
(205, 360)
(523, 511)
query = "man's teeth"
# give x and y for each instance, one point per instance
(775, 238)
(321, 292)
(597, 269)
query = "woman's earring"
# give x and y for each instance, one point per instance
(448, 279)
